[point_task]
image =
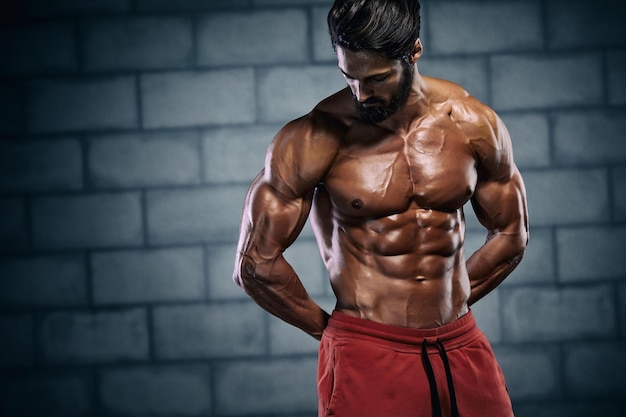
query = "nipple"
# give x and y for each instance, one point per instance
(357, 204)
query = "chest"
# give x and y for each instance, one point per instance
(377, 174)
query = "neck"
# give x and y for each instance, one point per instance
(415, 107)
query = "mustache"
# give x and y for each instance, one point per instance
(371, 100)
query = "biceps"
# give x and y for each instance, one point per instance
(501, 205)
(271, 220)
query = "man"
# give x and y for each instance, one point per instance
(384, 168)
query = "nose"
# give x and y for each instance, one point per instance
(361, 91)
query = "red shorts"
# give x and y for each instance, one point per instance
(369, 369)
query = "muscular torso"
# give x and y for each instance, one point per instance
(386, 203)
(389, 221)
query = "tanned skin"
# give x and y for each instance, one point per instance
(386, 203)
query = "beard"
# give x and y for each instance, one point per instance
(376, 109)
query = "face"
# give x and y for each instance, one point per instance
(380, 86)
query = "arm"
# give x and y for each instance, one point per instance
(275, 211)
(500, 205)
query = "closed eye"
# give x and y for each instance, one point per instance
(379, 78)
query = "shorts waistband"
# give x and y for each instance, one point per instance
(452, 335)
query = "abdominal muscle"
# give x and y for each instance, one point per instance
(407, 269)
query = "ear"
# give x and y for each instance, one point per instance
(416, 53)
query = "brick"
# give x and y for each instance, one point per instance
(488, 317)
(472, 224)
(38, 48)
(622, 309)
(469, 72)
(40, 165)
(595, 369)
(568, 21)
(545, 81)
(137, 43)
(567, 409)
(47, 394)
(492, 27)
(141, 276)
(195, 215)
(305, 258)
(209, 331)
(13, 229)
(235, 154)
(276, 386)
(617, 77)
(552, 194)
(75, 7)
(530, 134)
(287, 93)
(549, 314)
(43, 281)
(589, 137)
(619, 193)
(11, 108)
(539, 263)
(591, 253)
(531, 372)
(190, 5)
(71, 105)
(259, 37)
(99, 337)
(94, 220)
(473, 241)
(198, 98)
(322, 48)
(144, 160)
(17, 344)
(220, 263)
(293, 2)
(327, 302)
(286, 339)
(307, 231)
(156, 391)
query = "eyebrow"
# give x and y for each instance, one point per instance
(382, 74)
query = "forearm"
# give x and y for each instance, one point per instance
(275, 287)
(493, 262)
(273, 216)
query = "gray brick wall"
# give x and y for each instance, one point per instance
(130, 130)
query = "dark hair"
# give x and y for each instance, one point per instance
(388, 27)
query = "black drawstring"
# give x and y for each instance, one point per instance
(434, 393)
(454, 412)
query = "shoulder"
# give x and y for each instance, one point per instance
(444, 90)
(474, 118)
(324, 124)
(321, 129)
(304, 149)
(483, 130)
(460, 105)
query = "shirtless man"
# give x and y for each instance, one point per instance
(383, 168)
